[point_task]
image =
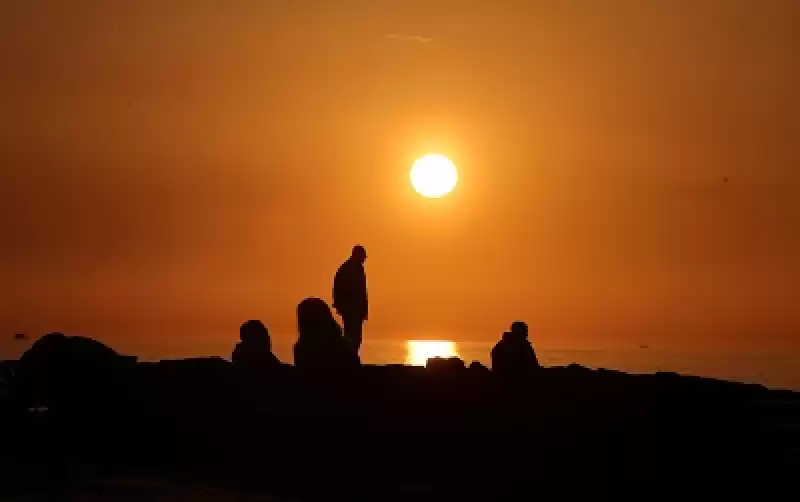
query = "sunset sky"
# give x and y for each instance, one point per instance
(171, 168)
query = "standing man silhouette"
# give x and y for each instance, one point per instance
(350, 295)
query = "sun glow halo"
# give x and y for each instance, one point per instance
(419, 351)
(434, 176)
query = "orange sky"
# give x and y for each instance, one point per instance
(179, 167)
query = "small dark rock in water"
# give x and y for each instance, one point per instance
(478, 367)
(20, 337)
(445, 364)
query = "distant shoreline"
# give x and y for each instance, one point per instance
(778, 370)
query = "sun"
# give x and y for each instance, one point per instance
(419, 351)
(434, 176)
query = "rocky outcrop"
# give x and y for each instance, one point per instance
(441, 432)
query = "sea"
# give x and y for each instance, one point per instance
(773, 369)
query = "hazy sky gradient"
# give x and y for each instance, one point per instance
(180, 166)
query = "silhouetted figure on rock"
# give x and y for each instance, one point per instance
(514, 353)
(255, 349)
(320, 344)
(350, 295)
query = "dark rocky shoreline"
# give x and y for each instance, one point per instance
(397, 432)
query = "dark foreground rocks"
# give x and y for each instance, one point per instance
(403, 433)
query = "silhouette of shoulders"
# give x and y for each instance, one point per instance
(320, 343)
(514, 352)
(255, 348)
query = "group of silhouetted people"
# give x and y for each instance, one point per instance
(323, 344)
(321, 341)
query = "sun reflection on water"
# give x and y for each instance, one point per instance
(419, 351)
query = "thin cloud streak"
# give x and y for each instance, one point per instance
(409, 38)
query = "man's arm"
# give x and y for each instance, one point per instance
(366, 296)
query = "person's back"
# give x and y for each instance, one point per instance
(255, 349)
(502, 354)
(320, 344)
(350, 295)
(514, 353)
(350, 288)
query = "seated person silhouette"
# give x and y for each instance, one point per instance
(514, 353)
(320, 344)
(255, 349)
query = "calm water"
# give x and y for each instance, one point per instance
(776, 370)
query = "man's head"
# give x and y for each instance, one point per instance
(520, 330)
(359, 254)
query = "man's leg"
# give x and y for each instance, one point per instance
(352, 330)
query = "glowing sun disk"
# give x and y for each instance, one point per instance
(434, 176)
